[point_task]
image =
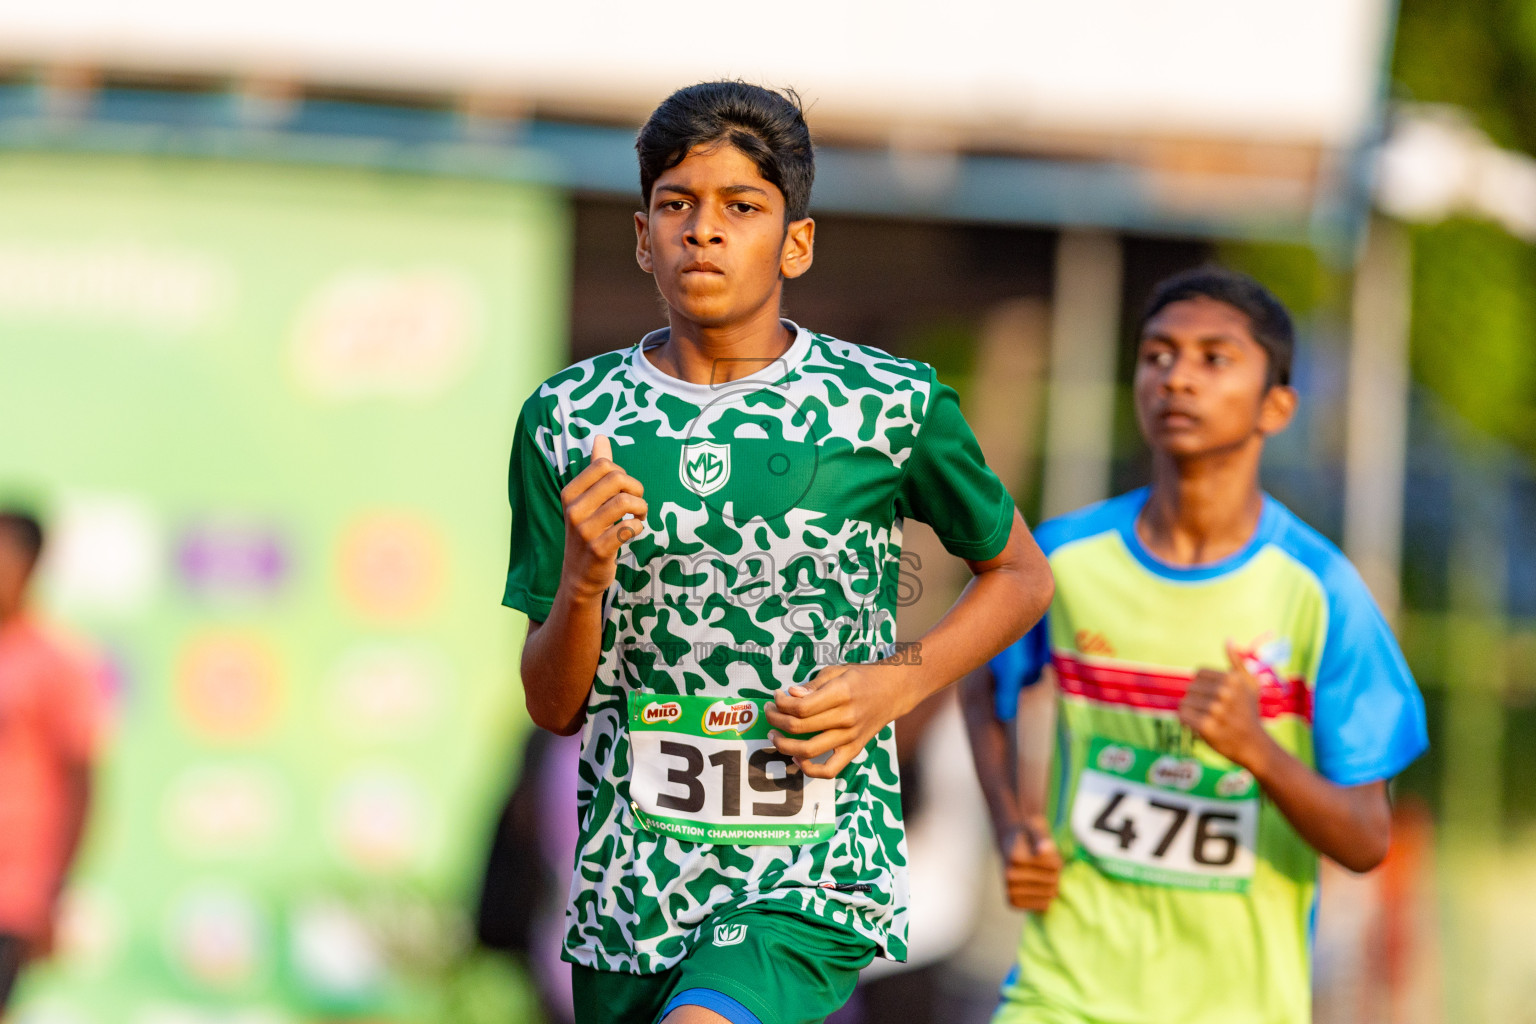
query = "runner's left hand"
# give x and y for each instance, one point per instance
(1223, 710)
(1031, 865)
(844, 705)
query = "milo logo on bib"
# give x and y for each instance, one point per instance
(1173, 773)
(1116, 759)
(652, 714)
(724, 716)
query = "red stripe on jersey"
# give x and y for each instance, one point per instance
(1110, 682)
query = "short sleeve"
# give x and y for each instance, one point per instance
(1368, 714)
(1018, 666)
(948, 485)
(538, 526)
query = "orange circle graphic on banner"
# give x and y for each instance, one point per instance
(228, 686)
(391, 566)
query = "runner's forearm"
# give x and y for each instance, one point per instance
(1003, 600)
(845, 706)
(604, 509)
(1347, 824)
(990, 750)
(559, 661)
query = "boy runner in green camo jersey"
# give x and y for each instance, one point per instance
(1176, 877)
(706, 538)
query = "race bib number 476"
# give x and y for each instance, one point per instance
(705, 771)
(1150, 817)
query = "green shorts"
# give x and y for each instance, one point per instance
(755, 965)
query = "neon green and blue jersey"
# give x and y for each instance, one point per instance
(1186, 894)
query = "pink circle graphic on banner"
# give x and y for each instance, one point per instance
(378, 818)
(217, 936)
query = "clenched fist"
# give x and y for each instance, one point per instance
(844, 705)
(604, 510)
(1223, 710)
(1031, 865)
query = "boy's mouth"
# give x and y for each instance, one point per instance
(1177, 418)
(701, 267)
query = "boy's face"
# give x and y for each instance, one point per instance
(715, 238)
(1201, 381)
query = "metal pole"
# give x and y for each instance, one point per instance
(1085, 334)
(1005, 394)
(1376, 443)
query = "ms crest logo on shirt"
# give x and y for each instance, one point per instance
(729, 716)
(730, 934)
(705, 466)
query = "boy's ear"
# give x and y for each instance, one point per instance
(643, 242)
(1277, 409)
(799, 248)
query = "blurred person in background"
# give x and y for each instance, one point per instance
(1233, 704)
(528, 870)
(49, 716)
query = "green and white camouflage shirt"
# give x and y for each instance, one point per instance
(773, 549)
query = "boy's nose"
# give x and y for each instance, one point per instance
(1180, 375)
(703, 231)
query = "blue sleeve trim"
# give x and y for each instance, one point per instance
(1017, 667)
(1383, 769)
(1368, 715)
(1002, 990)
(719, 1002)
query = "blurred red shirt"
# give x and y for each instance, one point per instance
(50, 719)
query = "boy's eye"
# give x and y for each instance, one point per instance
(1218, 359)
(1159, 357)
(675, 205)
(743, 207)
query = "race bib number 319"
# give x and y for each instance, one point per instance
(1163, 820)
(704, 770)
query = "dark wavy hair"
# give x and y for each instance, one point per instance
(24, 530)
(767, 126)
(1268, 320)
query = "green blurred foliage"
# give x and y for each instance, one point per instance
(1477, 54)
(1474, 325)
(948, 345)
(484, 987)
(1474, 286)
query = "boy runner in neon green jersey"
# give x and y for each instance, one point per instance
(706, 538)
(1232, 704)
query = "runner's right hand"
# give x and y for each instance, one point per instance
(595, 503)
(1031, 865)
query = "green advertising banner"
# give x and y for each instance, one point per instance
(267, 411)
